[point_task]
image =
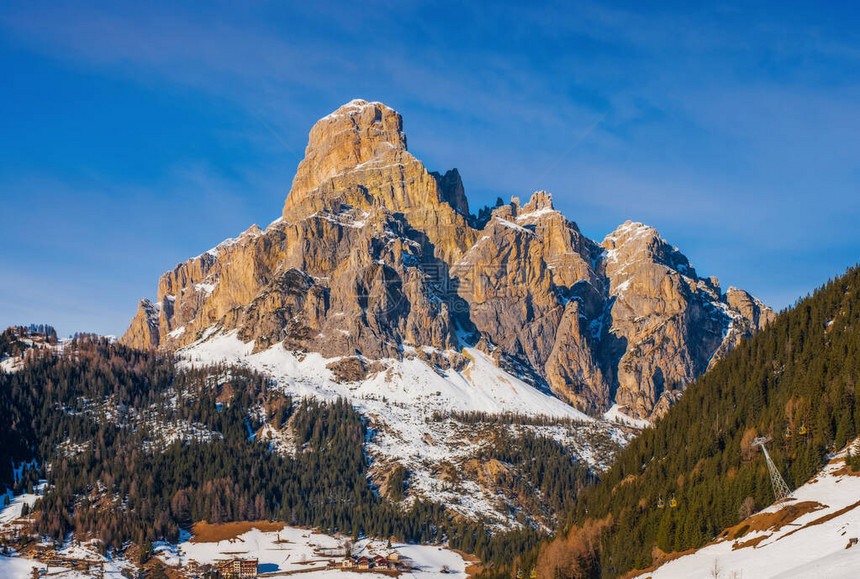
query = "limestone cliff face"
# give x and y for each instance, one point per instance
(376, 257)
(356, 157)
(533, 293)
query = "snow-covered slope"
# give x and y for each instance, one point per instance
(481, 387)
(813, 534)
(10, 364)
(412, 407)
(29, 341)
(12, 511)
(617, 414)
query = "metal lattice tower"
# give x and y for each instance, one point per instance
(780, 489)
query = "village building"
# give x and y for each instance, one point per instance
(238, 568)
(369, 562)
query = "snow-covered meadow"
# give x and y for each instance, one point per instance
(292, 549)
(278, 551)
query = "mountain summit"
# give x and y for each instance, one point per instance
(377, 258)
(356, 157)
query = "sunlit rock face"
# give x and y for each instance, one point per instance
(376, 257)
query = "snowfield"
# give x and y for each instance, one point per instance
(616, 414)
(481, 387)
(10, 364)
(822, 542)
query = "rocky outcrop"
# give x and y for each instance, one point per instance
(376, 257)
(143, 332)
(666, 320)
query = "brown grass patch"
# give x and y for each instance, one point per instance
(824, 519)
(771, 521)
(845, 470)
(204, 532)
(751, 543)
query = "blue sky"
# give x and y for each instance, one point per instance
(137, 135)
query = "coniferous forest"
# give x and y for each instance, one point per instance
(134, 450)
(796, 382)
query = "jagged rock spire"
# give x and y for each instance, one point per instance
(356, 134)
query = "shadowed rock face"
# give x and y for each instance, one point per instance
(374, 256)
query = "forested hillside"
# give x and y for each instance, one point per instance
(16, 340)
(134, 450)
(797, 382)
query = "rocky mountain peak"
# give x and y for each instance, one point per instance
(540, 201)
(749, 307)
(453, 191)
(629, 231)
(375, 257)
(539, 205)
(358, 132)
(356, 161)
(635, 242)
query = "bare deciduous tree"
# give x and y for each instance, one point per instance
(747, 508)
(715, 570)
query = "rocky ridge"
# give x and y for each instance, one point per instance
(375, 257)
